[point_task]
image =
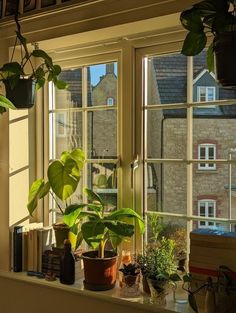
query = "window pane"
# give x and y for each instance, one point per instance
(202, 153)
(102, 178)
(71, 97)
(103, 78)
(166, 136)
(102, 134)
(65, 132)
(166, 80)
(166, 187)
(211, 153)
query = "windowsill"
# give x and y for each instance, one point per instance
(207, 171)
(141, 302)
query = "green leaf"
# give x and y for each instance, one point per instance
(191, 20)
(40, 82)
(93, 232)
(56, 69)
(194, 43)
(2, 110)
(93, 196)
(115, 239)
(13, 67)
(120, 228)
(95, 207)
(175, 277)
(5, 103)
(62, 182)
(71, 214)
(60, 84)
(130, 213)
(37, 191)
(187, 278)
(79, 239)
(39, 72)
(210, 59)
(38, 53)
(192, 302)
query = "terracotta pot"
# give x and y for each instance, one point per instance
(99, 274)
(61, 233)
(23, 94)
(225, 50)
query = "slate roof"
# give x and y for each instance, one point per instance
(171, 77)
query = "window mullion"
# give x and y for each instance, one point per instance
(85, 124)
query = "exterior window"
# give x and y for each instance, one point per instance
(206, 152)
(206, 94)
(206, 208)
(110, 101)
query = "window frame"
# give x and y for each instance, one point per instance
(206, 166)
(207, 88)
(206, 205)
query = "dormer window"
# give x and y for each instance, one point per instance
(110, 101)
(206, 93)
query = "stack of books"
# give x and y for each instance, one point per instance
(28, 244)
(210, 249)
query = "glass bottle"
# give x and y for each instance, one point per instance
(67, 268)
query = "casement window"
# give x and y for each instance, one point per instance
(88, 123)
(206, 93)
(207, 152)
(206, 208)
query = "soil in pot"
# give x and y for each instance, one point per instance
(99, 274)
(23, 94)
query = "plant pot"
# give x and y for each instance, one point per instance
(23, 94)
(130, 285)
(225, 51)
(159, 290)
(61, 233)
(99, 274)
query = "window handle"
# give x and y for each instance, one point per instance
(134, 166)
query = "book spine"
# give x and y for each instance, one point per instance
(17, 249)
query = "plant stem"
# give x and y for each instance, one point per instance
(54, 198)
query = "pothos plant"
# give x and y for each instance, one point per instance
(98, 227)
(46, 70)
(203, 18)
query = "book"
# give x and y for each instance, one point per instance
(17, 249)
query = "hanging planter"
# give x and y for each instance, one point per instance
(219, 18)
(19, 90)
(22, 95)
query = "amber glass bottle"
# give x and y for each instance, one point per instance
(67, 270)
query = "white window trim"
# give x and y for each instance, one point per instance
(207, 91)
(206, 166)
(206, 202)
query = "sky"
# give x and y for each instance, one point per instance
(98, 70)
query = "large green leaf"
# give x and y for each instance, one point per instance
(71, 213)
(120, 228)
(61, 180)
(115, 239)
(121, 214)
(78, 156)
(194, 43)
(191, 20)
(13, 67)
(5, 103)
(93, 196)
(93, 232)
(37, 191)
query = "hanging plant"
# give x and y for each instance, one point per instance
(21, 85)
(217, 17)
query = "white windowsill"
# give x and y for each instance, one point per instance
(141, 302)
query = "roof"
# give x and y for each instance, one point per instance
(171, 78)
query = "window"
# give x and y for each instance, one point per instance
(110, 101)
(207, 152)
(206, 94)
(206, 208)
(171, 129)
(84, 121)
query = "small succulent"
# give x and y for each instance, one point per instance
(132, 269)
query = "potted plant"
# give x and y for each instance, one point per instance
(98, 228)
(63, 179)
(159, 270)
(20, 86)
(130, 272)
(219, 18)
